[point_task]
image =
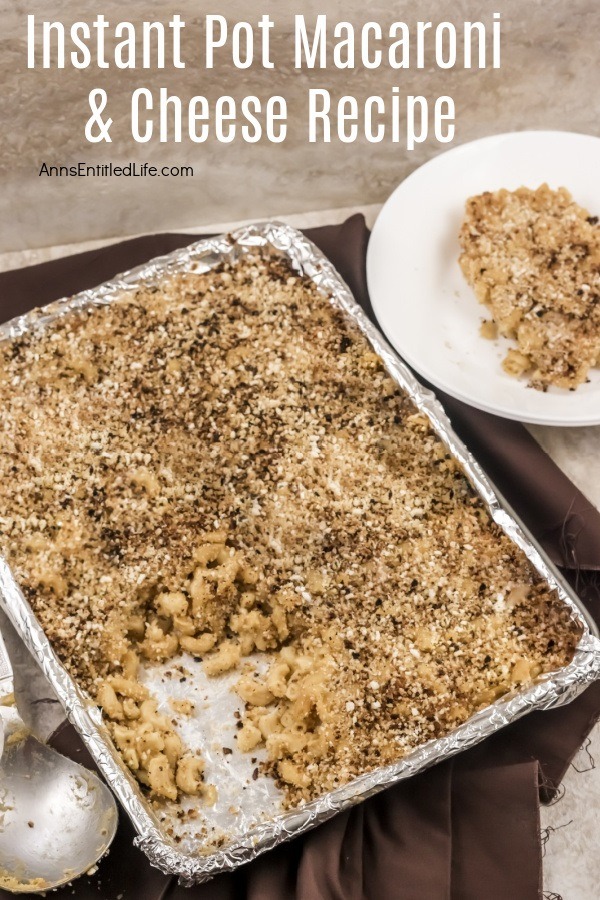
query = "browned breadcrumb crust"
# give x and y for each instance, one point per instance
(533, 258)
(222, 464)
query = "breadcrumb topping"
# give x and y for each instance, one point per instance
(221, 465)
(533, 258)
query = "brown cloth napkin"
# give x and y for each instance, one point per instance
(468, 829)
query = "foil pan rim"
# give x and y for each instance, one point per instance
(553, 689)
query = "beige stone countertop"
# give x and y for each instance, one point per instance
(571, 826)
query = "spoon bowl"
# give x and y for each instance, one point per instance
(57, 819)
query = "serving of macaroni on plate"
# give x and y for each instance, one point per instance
(533, 258)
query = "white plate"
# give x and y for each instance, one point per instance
(420, 296)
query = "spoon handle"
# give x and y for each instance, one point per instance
(10, 721)
(7, 685)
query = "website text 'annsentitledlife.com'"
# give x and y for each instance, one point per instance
(108, 170)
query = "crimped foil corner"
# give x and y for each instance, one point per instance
(549, 691)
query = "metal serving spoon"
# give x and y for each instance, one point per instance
(56, 818)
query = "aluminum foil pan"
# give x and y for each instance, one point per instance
(248, 819)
